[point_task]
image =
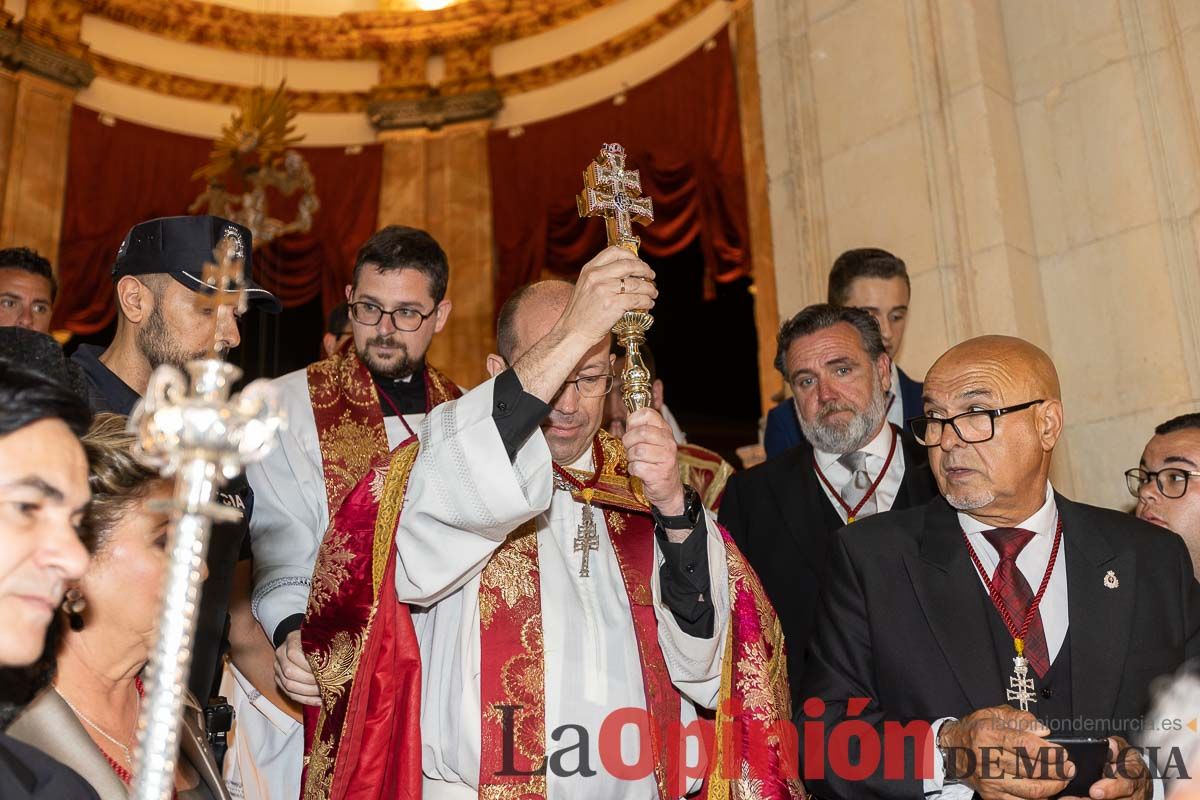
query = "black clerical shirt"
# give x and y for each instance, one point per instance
(403, 396)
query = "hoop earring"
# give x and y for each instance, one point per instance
(73, 605)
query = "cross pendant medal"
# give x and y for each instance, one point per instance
(586, 539)
(1020, 685)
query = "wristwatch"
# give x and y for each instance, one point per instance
(692, 509)
(950, 776)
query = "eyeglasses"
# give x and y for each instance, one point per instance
(403, 319)
(590, 385)
(972, 427)
(1171, 482)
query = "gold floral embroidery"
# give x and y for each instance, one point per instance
(523, 679)
(319, 780)
(509, 575)
(330, 569)
(615, 461)
(534, 786)
(335, 668)
(616, 523)
(378, 478)
(394, 487)
(347, 449)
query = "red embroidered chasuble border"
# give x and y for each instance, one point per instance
(513, 653)
(363, 742)
(349, 419)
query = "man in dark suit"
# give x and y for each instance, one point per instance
(783, 514)
(1100, 602)
(876, 281)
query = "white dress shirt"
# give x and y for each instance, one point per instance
(877, 452)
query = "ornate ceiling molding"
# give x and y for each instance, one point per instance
(585, 61)
(20, 51)
(434, 112)
(356, 35)
(401, 102)
(221, 93)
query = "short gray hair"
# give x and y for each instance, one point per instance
(820, 316)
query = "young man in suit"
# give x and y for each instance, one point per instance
(877, 282)
(1000, 591)
(1166, 482)
(784, 513)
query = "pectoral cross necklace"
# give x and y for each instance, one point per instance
(587, 539)
(1020, 684)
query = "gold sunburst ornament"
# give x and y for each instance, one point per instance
(253, 155)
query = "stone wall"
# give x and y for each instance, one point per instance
(1038, 167)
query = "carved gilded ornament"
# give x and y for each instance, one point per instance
(401, 42)
(349, 35)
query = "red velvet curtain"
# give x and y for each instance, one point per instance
(681, 131)
(120, 175)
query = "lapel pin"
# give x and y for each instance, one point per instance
(1110, 580)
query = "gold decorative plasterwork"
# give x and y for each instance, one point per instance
(223, 93)
(626, 44)
(472, 23)
(402, 86)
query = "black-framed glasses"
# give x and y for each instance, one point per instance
(590, 385)
(972, 427)
(1172, 482)
(403, 319)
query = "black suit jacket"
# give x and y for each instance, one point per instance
(783, 522)
(904, 622)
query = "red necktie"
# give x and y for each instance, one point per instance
(1014, 591)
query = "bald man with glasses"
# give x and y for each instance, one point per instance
(998, 612)
(1166, 482)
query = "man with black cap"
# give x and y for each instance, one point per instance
(157, 275)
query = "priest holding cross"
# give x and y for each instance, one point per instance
(573, 601)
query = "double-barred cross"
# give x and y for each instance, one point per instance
(226, 279)
(615, 193)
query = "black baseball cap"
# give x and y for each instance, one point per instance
(181, 246)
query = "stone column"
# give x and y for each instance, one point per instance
(37, 91)
(762, 249)
(438, 180)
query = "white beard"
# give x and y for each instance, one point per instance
(854, 435)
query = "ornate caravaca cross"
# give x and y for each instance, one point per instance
(615, 193)
(1020, 685)
(587, 538)
(226, 279)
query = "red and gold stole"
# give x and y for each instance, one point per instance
(705, 471)
(512, 680)
(364, 740)
(349, 419)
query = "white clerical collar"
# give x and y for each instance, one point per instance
(1042, 523)
(880, 446)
